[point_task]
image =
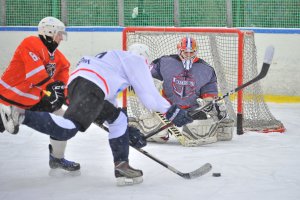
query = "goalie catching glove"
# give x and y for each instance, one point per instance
(178, 116)
(216, 110)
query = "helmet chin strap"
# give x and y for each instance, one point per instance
(49, 43)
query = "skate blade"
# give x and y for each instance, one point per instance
(57, 173)
(123, 181)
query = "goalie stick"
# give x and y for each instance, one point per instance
(202, 170)
(264, 70)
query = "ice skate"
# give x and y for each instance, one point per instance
(62, 167)
(126, 175)
(2, 128)
(11, 117)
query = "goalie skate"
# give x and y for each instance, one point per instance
(11, 118)
(126, 175)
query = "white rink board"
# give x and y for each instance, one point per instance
(283, 78)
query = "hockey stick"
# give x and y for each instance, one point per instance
(47, 93)
(204, 169)
(264, 70)
(159, 130)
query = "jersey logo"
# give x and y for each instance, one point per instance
(50, 68)
(183, 86)
(84, 60)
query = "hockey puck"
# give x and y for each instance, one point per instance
(216, 174)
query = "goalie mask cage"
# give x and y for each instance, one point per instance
(231, 52)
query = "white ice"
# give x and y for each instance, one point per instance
(254, 166)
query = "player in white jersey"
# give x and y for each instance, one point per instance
(92, 91)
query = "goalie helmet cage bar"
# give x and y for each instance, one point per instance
(230, 51)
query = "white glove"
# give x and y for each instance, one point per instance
(216, 110)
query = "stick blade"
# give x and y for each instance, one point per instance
(204, 169)
(269, 53)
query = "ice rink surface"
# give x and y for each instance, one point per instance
(253, 166)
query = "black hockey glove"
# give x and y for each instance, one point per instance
(178, 116)
(136, 138)
(57, 97)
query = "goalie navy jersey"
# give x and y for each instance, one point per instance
(182, 86)
(113, 71)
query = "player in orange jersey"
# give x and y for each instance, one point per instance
(36, 67)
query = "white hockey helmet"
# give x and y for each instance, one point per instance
(51, 26)
(141, 50)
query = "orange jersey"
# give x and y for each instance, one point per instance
(26, 76)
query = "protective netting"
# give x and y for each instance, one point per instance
(221, 50)
(180, 13)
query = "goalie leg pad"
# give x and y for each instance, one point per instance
(161, 137)
(201, 131)
(225, 130)
(151, 123)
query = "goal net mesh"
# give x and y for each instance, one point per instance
(221, 50)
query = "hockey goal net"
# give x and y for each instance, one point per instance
(231, 52)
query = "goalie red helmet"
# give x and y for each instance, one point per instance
(187, 51)
(140, 49)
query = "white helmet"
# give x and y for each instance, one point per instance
(51, 26)
(140, 49)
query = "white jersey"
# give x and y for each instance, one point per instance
(113, 71)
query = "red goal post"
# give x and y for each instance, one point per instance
(230, 51)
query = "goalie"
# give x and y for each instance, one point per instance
(188, 81)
